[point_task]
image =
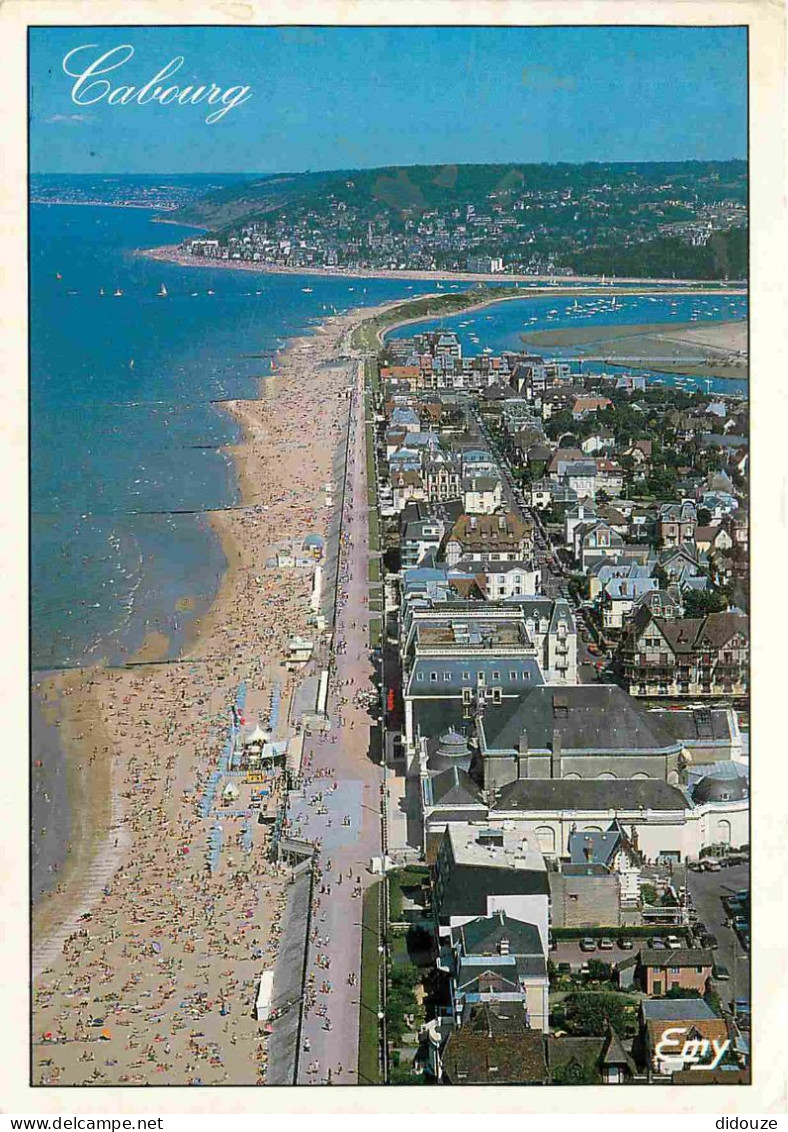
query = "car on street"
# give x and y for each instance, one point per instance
(711, 866)
(720, 973)
(588, 944)
(709, 941)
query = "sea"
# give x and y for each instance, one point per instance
(127, 430)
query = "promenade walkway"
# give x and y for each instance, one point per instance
(340, 783)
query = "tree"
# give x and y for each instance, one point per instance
(598, 969)
(649, 893)
(575, 1073)
(588, 1013)
(697, 603)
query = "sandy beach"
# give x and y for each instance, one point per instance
(148, 951)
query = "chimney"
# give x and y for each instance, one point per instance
(503, 946)
(522, 755)
(555, 758)
(587, 850)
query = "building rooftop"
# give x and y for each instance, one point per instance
(483, 847)
(586, 794)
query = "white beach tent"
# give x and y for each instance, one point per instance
(265, 990)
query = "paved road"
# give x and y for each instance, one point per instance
(336, 932)
(706, 890)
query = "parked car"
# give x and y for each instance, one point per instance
(588, 944)
(657, 943)
(606, 944)
(720, 973)
(564, 968)
(711, 866)
(709, 941)
(626, 944)
(674, 941)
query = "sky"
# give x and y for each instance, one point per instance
(342, 98)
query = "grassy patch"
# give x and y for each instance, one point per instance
(368, 1044)
(375, 632)
(400, 879)
(374, 569)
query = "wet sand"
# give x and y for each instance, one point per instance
(146, 961)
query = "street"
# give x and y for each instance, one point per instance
(707, 890)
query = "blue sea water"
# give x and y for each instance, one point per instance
(125, 428)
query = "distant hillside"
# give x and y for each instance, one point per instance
(687, 217)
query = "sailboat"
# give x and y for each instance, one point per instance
(162, 292)
(307, 290)
(117, 293)
(101, 292)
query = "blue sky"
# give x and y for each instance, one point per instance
(329, 98)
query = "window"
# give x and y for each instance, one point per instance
(512, 674)
(434, 677)
(466, 675)
(676, 970)
(419, 675)
(496, 676)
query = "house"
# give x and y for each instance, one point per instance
(640, 453)
(601, 441)
(540, 494)
(676, 523)
(584, 511)
(481, 495)
(494, 1047)
(499, 538)
(688, 968)
(712, 538)
(659, 602)
(589, 1060)
(407, 487)
(614, 850)
(586, 404)
(498, 580)
(672, 1030)
(596, 541)
(619, 596)
(499, 958)
(443, 480)
(585, 896)
(419, 538)
(609, 476)
(689, 656)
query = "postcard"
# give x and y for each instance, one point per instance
(390, 619)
